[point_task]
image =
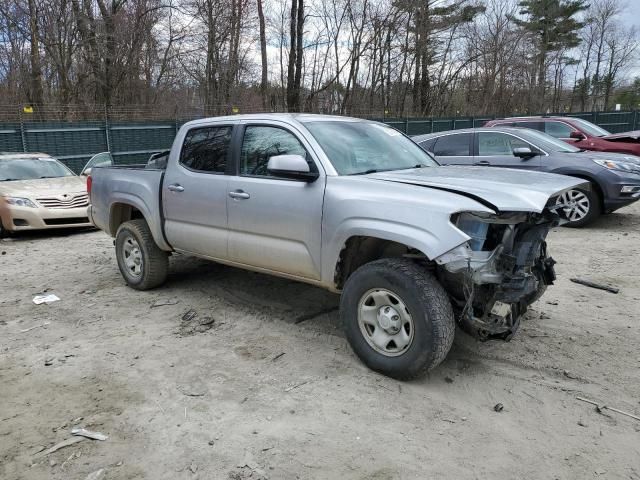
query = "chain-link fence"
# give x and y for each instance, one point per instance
(74, 133)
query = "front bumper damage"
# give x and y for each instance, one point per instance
(504, 268)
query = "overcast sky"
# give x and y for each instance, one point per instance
(632, 11)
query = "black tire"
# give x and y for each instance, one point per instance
(595, 208)
(154, 264)
(427, 303)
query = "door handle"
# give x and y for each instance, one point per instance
(482, 163)
(176, 187)
(239, 194)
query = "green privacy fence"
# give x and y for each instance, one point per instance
(74, 142)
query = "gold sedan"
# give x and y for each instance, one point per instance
(38, 192)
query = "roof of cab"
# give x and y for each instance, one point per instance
(284, 117)
(15, 155)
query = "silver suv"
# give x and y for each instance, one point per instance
(349, 205)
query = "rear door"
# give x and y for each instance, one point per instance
(453, 149)
(274, 223)
(495, 149)
(195, 192)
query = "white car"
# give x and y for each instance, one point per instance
(38, 192)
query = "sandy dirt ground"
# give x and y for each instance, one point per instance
(225, 374)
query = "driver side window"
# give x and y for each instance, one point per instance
(261, 143)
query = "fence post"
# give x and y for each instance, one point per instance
(23, 137)
(635, 120)
(406, 126)
(106, 128)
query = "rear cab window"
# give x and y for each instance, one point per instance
(206, 149)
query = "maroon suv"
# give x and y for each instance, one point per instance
(577, 132)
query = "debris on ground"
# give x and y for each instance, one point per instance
(600, 408)
(581, 423)
(34, 327)
(191, 324)
(48, 298)
(250, 463)
(498, 407)
(48, 361)
(278, 356)
(81, 432)
(288, 389)
(65, 443)
(97, 475)
(599, 286)
(163, 303)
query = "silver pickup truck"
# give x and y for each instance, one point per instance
(349, 205)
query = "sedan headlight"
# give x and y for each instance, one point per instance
(618, 165)
(20, 202)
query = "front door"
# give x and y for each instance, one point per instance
(274, 223)
(495, 149)
(194, 192)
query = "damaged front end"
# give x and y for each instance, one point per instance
(500, 271)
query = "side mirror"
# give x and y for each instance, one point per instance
(524, 152)
(577, 135)
(294, 167)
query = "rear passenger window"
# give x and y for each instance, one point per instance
(457, 145)
(206, 149)
(557, 129)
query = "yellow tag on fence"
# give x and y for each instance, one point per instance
(27, 109)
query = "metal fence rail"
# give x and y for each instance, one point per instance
(75, 141)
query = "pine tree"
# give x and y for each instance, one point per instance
(554, 27)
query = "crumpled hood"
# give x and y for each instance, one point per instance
(43, 187)
(632, 137)
(504, 189)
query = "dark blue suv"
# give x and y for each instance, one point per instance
(614, 178)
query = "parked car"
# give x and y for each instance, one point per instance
(349, 205)
(39, 192)
(578, 132)
(614, 179)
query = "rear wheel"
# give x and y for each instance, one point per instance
(397, 317)
(580, 206)
(142, 264)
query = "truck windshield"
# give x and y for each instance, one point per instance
(31, 169)
(366, 147)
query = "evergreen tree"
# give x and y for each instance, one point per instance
(554, 27)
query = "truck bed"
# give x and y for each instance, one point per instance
(131, 185)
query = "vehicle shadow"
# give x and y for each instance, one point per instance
(258, 294)
(26, 235)
(620, 220)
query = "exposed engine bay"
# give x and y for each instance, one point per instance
(499, 272)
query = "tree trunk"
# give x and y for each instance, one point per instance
(263, 55)
(35, 92)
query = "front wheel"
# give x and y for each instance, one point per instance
(142, 263)
(397, 318)
(580, 206)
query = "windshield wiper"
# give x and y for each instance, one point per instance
(9, 180)
(372, 170)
